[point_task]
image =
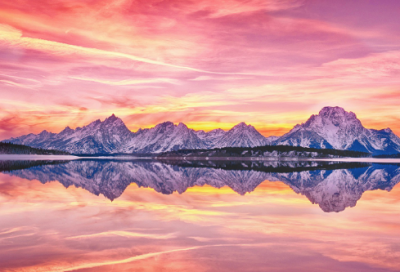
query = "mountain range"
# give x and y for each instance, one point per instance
(332, 128)
(333, 188)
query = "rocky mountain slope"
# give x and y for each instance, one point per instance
(336, 128)
(112, 136)
(332, 128)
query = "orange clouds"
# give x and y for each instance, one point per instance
(205, 63)
(198, 229)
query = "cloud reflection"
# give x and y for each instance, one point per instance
(202, 229)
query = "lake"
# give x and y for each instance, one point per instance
(144, 215)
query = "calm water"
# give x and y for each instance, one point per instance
(101, 215)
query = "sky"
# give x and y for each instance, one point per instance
(208, 64)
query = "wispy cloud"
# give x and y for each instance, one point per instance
(271, 63)
(129, 81)
(127, 234)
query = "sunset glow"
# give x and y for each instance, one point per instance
(199, 230)
(208, 64)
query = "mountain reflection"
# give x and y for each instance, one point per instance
(333, 186)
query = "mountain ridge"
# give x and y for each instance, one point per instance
(112, 136)
(331, 128)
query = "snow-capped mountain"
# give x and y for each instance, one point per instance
(163, 137)
(333, 190)
(211, 137)
(112, 136)
(336, 128)
(97, 137)
(332, 128)
(242, 135)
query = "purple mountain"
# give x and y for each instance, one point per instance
(336, 128)
(333, 128)
(112, 136)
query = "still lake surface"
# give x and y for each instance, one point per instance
(126, 215)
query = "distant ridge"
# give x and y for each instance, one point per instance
(332, 128)
(112, 136)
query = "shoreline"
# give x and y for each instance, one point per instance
(33, 157)
(348, 159)
(183, 158)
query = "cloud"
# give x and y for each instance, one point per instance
(14, 38)
(129, 81)
(207, 78)
(144, 256)
(205, 63)
(220, 8)
(127, 234)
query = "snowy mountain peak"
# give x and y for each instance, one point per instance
(67, 130)
(327, 111)
(242, 135)
(182, 125)
(217, 132)
(241, 125)
(335, 116)
(93, 124)
(44, 132)
(112, 118)
(336, 128)
(165, 124)
(113, 121)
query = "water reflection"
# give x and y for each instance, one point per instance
(209, 226)
(334, 186)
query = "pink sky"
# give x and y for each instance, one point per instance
(271, 227)
(209, 64)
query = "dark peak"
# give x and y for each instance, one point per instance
(91, 125)
(327, 111)
(182, 125)
(67, 129)
(44, 132)
(387, 130)
(217, 130)
(165, 124)
(241, 125)
(337, 112)
(112, 118)
(95, 122)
